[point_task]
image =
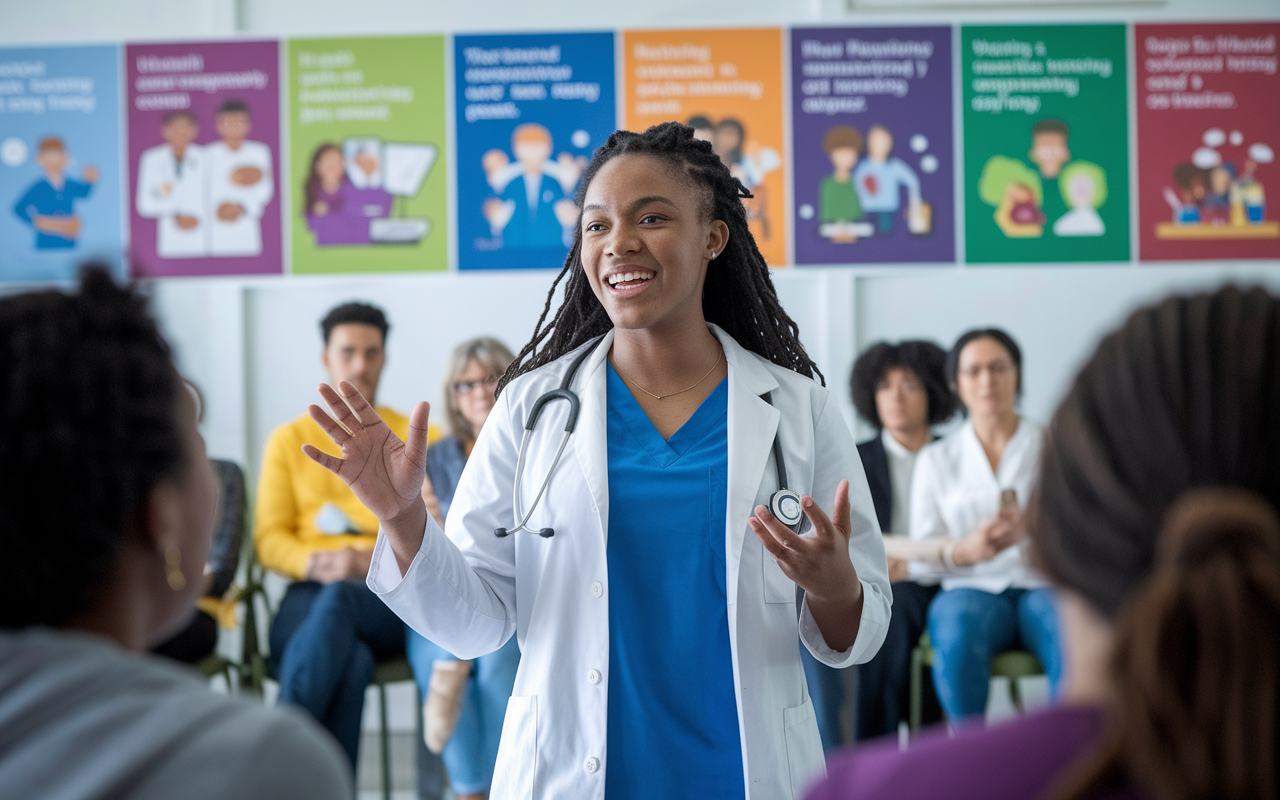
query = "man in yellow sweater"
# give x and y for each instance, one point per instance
(330, 629)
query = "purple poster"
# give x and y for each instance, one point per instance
(872, 139)
(204, 158)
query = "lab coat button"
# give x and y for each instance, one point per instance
(596, 589)
(593, 677)
(592, 765)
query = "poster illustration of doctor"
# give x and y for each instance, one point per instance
(204, 138)
(171, 188)
(60, 168)
(48, 206)
(239, 182)
(532, 108)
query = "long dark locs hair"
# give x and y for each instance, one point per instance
(738, 294)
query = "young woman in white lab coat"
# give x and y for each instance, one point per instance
(660, 641)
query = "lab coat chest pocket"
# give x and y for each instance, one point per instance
(778, 588)
(804, 747)
(517, 752)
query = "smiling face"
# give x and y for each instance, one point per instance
(232, 127)
(646, 242)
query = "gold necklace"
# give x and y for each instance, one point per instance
(673, 394)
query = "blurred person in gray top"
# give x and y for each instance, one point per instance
(108, 505)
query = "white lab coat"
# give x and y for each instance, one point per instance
(167, 189)
(243, 237)
(471, 591)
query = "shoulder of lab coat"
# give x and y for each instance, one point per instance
(827, 453)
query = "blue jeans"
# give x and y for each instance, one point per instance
(472, 752)
(969, 626)
(327, 638)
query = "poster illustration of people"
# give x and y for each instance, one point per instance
(1208, 130)
(59, 161)
(367, 138)
(531, 110)
(204, 166)
(1045, 143)
(872, 138)
(727, 85)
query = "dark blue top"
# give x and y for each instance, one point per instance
(445, 460)
(673, 717)
(44, 200)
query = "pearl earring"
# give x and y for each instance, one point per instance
(173, 568)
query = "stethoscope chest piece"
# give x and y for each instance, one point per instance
(785, 505)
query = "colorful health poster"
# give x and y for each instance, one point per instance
(59, 161)
(872, 139)
(1046, 168)
(204, 158)
(531, 110)
(367, 149)
(727, 85)
(1208, 129)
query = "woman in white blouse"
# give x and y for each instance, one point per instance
(967, 495)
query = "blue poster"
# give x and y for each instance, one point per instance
(531, 109)
(59, 161)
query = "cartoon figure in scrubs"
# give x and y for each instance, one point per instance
(171, 188)
(240, 184)
(48, 205)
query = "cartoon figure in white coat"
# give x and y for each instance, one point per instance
(240, 184)
(659, 638)
(171, 188)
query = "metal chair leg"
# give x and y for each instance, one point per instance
(386, 743)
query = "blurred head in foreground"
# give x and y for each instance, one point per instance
(106, 496)
(1156, 517)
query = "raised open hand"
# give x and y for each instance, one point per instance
(383, 472)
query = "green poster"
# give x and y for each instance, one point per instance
(1046, 143)
(367, 136)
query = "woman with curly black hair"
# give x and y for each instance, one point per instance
(659, 639)
(108, 509)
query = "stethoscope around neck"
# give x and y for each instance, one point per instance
(784, 503)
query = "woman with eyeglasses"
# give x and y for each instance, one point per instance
(465, 699)
(967, 495)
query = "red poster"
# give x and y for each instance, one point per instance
(1208, 131)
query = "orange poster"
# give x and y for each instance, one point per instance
(727, 84)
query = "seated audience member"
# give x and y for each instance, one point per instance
(330, 629)
(466, 701)
(901, 390)
(965, 508)
(200, 638)
(1155, 518)
(108, 510)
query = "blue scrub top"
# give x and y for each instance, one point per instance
(44, 200)
(673, 716)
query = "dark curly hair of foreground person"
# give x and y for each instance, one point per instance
(87, 428)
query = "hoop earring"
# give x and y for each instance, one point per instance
(173, 568)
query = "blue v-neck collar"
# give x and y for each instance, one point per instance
(664, 452)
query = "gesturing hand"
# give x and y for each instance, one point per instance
(383, 472)
(819, 564)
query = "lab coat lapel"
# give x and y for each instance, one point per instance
(752, 424)
(590, 442)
